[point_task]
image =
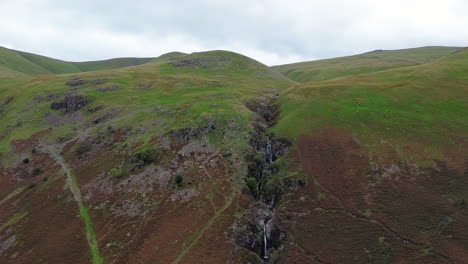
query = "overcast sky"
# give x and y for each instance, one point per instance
(271, 31)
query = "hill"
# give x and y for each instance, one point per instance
(385, 154)
(153, 152)
(18, 63)
(213, 157)
(363, 63)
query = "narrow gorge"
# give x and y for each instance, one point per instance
(259, 230)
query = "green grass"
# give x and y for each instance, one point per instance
(13, 194)
(17, 63)
(424, 104)
(84, 211)
(189, 96)
(364, 63)
(109, 64)
(90, 234)
(13, 220)
(92, 240)
(50, 65)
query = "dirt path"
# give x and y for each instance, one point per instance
(208, 225)
(362, 217)
(55, 151)
(84, 212)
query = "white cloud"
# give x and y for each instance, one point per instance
(270, 31)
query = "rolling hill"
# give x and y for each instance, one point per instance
(184, 117)
(387, 153)
(363, 63)
(213, 157)
(18, 63)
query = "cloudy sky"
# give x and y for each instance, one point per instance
(271, 31)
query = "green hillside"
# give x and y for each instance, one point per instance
(18, 63)
(109, 64)
(195, 86)
(213, 157)
(384, 155)
(12, 63)
(427, 102)
(170, 56)
(48, 64)
(363, 63)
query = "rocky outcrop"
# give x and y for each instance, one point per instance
(76, 82)
(203, 62)
(186, 134)
(260, 229)
(266, 108)
(70, 104)
(95, 109)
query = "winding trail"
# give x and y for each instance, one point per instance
(206, 227)
(55, 151)
(84, 212)
(363, 218)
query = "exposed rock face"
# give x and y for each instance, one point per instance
(260, 230)
(279, 147)
(99, 81)
(92, 110)
(70, 104)
(248, 232)
(266, 108)
(76, 82)
(186, 134)
(204, 62)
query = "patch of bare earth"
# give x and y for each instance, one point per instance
(353, 210)
(47, 228)
(147, 217)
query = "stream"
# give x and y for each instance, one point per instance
(259, 231)
(269, 158)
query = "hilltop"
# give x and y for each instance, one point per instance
(373, 61)
(15, 63)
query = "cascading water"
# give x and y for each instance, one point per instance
(269, 154)
(269, 151)
(259, 230)
(265, 244)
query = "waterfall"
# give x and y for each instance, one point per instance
(265, 149)
(269, 152)
(269, 156)
(265, 246)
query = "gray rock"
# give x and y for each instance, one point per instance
(70, 104)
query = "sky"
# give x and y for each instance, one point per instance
(270, 31)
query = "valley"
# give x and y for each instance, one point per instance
(213, 157)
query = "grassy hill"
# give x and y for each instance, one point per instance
(363, 63)
(168, 162)
(427, 102)
(385, 154)
(193, 81)
(185, 110)
(18, 63)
